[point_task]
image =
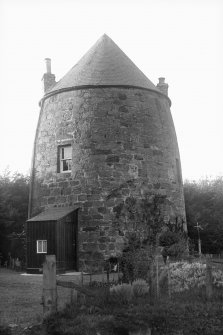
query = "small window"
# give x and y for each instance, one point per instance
(41, 246)
(65, 158)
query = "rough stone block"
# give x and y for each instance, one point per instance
(63, 184)
(102, 210)
(111, 246)
(112, 159)
(89, 229)
(104, 239)
(102, 246)
(76, 190)
(82, 197)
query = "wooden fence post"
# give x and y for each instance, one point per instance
(107, 276)
(168, 277)
(49, 285)
(73, 296)
(209, 288)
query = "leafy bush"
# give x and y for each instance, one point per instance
(177, 250)
(135, 260)
(140, 287)
(203, 202)
(122, 292)
(134, 264)
(168, 238)
(185, 276)
(217, 277)
(4, 330)
(189, 317)
(174, 243)
(97, 284)
(14, 195)
(125, 308)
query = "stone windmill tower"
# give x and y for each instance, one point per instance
(105, 141)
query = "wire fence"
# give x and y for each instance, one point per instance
(164, 279)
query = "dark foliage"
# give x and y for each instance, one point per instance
(168, 238)
(204, 204)
(5, 330)
(142, 216)
(189, 314)
(174, 241)
(135, 260)
(14, 193)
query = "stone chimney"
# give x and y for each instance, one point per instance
(162, 86)
(48, 78)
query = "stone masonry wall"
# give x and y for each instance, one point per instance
(124, 147)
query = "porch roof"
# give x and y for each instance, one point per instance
(53, 214)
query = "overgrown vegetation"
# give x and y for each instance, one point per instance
(4, 330)
(142, 216)
(203, 201)
(148, 232)
(14, 194)
(166, 317)
(174, 241)
(135, 260)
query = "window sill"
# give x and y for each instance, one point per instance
(68, 173)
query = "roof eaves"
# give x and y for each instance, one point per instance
(50, 214)
(82, 87)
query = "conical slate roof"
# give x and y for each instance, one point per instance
(104, 64)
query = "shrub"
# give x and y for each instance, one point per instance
(174, 244)
(217, 278)
(122, 292)
(134, 264)
(185, 276)
(98, 284)
(4, 330)
(140, 287)
(168, 238)
(182, 315)
(135, 260)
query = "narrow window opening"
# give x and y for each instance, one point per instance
(65, 158)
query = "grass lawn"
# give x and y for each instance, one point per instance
(20, 298)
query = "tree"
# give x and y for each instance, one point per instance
(14, 194)
(204, 204)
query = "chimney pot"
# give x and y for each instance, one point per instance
(162, 86)
(161, 80)
(48, 65)
(48, 78)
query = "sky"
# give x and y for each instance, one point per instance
(181, 40)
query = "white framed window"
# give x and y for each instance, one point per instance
(65, 158)
(41, 246)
